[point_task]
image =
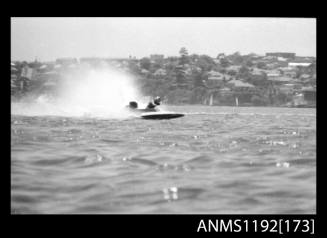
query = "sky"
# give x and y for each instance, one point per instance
(47, 39)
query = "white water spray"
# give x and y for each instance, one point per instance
(94, 93)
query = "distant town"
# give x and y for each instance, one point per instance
(280, 79)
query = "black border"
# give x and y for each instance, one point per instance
(152, 224)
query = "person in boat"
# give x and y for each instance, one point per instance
(154, 103)
(151, 107)
(132, 105)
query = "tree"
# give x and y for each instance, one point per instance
(223, 71)
(244, 73)
(249, 63)
(183, 52)
(221, 56)
(232, 72)
(198, 78)
(259, 80)
(206, 63)
(145, 63)
(197, 95)
(180, 75)
(261, 65)
(312, 68)
(258, 101)
(243, 70)
(156, 66)
(236, 58)
(184, 59)
(133, 67)
(224, 62)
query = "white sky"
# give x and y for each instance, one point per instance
(49, 38)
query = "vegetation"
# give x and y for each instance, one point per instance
(184, 79)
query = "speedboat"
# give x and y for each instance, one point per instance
(151, 111)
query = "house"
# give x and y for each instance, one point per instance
(221, 56)
(234, 67)
(280, 80)
(281, 59)
(301, 59)
(241, 90)
(188, 71)
(196, 68)
(160, 72)
(216, 79)
(13, 69)
(291, 74)
(299, 64)
(289, 88)
(268, 59)
(281, 64)
(13, 79)
(305, 98)
(257, 71)
(272, 65)
(13, 83)
(305, 76)
(14, 74)
(288, 71)
(255, 56)
(225, 91)
(213, 73)
(282, 54)
(309, 94)
(298, 99)
(239, 84)
(44, 66)
(273, 73)
(51, 75)
(27, 72)
(144, 71)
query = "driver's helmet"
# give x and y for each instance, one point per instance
(157, 100)
(133, 104)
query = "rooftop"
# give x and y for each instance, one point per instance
(238, 83)
(281, 79)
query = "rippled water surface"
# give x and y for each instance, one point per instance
(213, 160)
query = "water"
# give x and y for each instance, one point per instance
(214, 160)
